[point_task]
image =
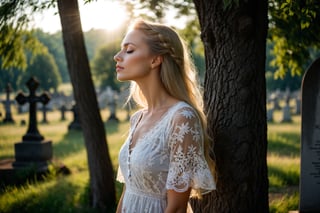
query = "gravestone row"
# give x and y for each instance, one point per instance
(75, 124)
(287, 110)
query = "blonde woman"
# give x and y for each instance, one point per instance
(163, 162)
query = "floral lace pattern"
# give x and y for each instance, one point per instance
(169, 156)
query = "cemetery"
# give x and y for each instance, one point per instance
(42, 149)
(56, 146)
(64, 146)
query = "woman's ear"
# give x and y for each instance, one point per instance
(156, 61)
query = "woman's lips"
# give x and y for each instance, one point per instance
(119, 68)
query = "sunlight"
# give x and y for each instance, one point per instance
(108, 15)
(103, 14)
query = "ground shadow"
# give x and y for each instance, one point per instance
(285, 144)
(288, 178)
(71, 143)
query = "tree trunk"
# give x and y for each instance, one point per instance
(235, 102)
(102, 188)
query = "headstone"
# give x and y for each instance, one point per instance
(297, 106)
(274, 98)
(310, 141)
(44, 110)
(75, 124)
(286, 112)
(7, 104)
(270, 115)
(33, 151)
(113, 107)
(63, 110)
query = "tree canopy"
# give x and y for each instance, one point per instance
(46, 71)
(16, 38)
(294, 28)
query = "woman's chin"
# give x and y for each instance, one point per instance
(121, 78)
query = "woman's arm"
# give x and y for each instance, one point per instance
(177, 202)
(119, 207)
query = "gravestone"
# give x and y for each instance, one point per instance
(297, 106)
(44, 113)
(270, 115)
(33, 151)
(7, 105)
(310, 141)
(286, 113)
(75, 124)
(113, 106)
(274, 98)
(63, 110)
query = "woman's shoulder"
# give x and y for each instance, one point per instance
(184, 111)
(182, 106)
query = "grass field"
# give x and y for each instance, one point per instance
(69, 193)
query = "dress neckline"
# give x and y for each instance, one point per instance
(130, 148)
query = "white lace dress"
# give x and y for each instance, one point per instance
(169, 156)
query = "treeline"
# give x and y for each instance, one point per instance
(50, 67)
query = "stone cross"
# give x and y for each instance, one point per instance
(33, 132)
(33, 151)
(7, 104)
(310, 140)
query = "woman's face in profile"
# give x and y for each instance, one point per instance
(134, 59)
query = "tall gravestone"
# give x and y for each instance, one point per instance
(33, 151)
(310, 141)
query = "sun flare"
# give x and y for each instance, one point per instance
(108, 15)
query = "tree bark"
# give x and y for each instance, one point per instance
(102, 188)
(235, 102)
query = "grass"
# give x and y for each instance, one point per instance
(70, 193)
(57, 193)
(284, 164)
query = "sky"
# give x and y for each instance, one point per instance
(102, 14)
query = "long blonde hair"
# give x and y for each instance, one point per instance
(178, 73)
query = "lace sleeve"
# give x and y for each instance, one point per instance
(188, 167)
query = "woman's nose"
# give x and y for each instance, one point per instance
(116, 57)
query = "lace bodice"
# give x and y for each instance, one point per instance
(169, 156)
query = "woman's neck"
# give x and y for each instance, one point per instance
(157, 97)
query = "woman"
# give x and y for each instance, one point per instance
(162, 161)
